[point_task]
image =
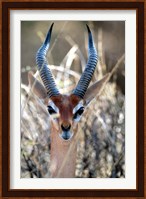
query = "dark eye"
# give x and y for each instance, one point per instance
(51, 110)
(79, 112)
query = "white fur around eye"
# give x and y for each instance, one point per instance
(78, 118)
(79, 105)
(77, 112)
(51, 103)
(56, 114)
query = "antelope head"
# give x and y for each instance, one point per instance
(66, 110)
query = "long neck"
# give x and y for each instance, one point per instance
(63, 156)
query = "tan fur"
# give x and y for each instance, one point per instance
(63, 156)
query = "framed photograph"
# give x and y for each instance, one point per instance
(72, 99)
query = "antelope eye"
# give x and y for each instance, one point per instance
(78, 113)
(51, 110)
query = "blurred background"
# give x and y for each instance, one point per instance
(101, 148)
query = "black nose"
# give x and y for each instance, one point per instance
(65, 127)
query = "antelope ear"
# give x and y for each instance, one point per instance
(95, 89)
(37, 88)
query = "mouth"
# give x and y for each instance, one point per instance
(66, 135)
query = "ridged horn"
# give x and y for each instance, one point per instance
(86, 77)
(43, 68)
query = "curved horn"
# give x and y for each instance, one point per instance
(85, 79)
(43, 68)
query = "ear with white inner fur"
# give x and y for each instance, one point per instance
(37, 88)
(95, 89)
